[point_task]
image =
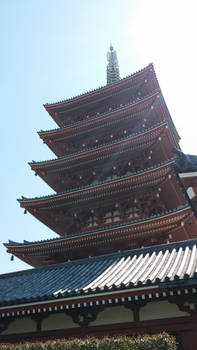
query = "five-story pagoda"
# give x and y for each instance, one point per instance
(113, 173)
(122, 186)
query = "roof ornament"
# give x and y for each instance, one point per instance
(184, 162)
(113, 73)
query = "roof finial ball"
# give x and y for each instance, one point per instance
(113, 74)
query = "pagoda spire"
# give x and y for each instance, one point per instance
(113, 73)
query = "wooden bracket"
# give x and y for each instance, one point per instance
(135, 307)
(39, 318)
(84, 316)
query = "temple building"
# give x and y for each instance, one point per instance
(125, 210)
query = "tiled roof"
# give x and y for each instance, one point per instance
(104, 87)
(185, 162)
(168, 265)
(192, 159)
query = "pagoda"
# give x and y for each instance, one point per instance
(125, 210)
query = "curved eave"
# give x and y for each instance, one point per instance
(98, 117)
(98, 149)
(96, 92)
(73, 193)
(149, 223)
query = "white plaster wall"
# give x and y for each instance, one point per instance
(160, 309)
(21, 325)
(58, 321)
(112, 315)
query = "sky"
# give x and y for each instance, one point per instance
(55, 49)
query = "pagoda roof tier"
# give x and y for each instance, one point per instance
(59, 210)
(101, 148)
(158, 170)
(106, 155)
(99, 278)
(174, 225)
(89, 131)
(128, 89)
(144, 102)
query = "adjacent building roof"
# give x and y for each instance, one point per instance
(163, 266)
(185, 162)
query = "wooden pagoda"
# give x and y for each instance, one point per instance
(125, 209)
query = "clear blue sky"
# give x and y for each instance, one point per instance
(55, 49)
